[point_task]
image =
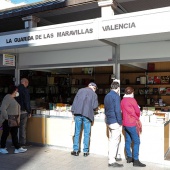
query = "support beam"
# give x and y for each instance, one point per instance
(108, 42)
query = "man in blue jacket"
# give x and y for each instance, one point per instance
(114, 122)
(24, 100)
(84, 104)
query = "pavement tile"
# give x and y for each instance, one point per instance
(51, 158)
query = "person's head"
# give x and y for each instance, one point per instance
(115, 86)
(93, 86)
(129, 90)
(25, 82)
(13, 91)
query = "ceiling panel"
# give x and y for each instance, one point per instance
(140, 5)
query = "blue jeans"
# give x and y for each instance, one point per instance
(79, 120)
(132, 136)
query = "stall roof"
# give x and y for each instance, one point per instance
(50, 12)
(90, 6)
(62, 11)
(31, 8)
(141, 5)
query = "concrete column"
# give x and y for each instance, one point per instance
(107, 7)
(30, 21)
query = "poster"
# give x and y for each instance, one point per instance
(8, 60)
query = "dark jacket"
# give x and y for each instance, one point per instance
(85, 102)
(24, 98)
(112, 108)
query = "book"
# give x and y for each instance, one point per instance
(164, 79)
(157, 79)
(151, 66)
(168, 90)
(150, 80)
(150, 91)
(155, 91)
(162, 90)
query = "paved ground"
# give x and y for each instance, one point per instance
(52, 158)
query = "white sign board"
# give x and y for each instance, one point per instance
(138, 23)
(130, 25)
(8, 60)
(62, 33)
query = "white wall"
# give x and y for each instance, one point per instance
(145, 51)
(94, 54)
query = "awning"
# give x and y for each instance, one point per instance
(32, 8)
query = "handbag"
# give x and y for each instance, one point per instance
(13, 120)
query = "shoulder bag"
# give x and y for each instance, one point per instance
(13, 120)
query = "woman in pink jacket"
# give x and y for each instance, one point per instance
(131, 115)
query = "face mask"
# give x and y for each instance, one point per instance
(17, 94)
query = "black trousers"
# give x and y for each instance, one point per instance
(14, 134)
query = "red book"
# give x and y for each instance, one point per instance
(157, 80)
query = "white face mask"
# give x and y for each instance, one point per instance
(17, 94)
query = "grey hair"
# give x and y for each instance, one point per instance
(115, 85)
(24, 80)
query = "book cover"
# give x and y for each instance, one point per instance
(164, 79)
(168, 90)
(162, 90)
(157, 79)
(155, 91)
(151, 66)
(150, 91)
(150, 80)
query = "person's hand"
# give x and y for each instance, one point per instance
(29, 115)
(73, 117)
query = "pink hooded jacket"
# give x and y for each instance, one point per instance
(130, 111)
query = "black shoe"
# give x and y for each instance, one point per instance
(137, 163)
(116, 165)
(75, 153)
(118, 159)
(25, 145)
(86, 154)
(129, 159)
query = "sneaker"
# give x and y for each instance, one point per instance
(3, 151)
(20, 150)
(118, 159)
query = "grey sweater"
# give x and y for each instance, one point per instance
(9, 106)
(85, 102)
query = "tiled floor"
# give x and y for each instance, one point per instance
(51, 158)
